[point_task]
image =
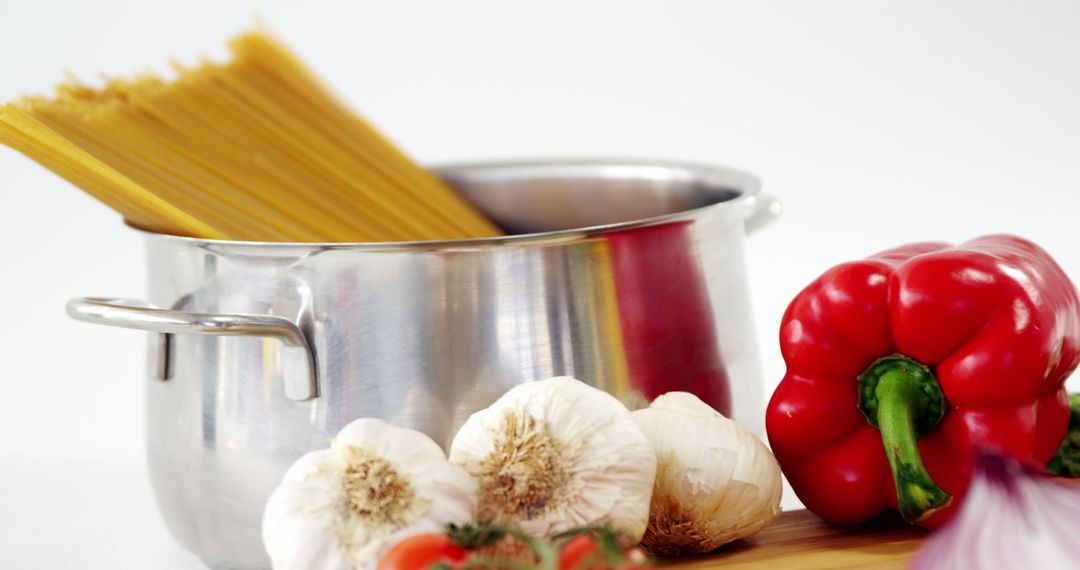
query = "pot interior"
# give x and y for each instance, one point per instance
(542, 197)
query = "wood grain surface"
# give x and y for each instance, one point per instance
(801, 541)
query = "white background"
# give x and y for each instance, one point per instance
(877, 123)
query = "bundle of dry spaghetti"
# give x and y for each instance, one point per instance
(254, 149)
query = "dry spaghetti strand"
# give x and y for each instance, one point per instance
(255, 149)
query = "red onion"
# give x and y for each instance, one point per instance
(1014, 516)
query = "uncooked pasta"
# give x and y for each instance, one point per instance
(253, 149)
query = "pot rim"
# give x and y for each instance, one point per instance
(745, 184)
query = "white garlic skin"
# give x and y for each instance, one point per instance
(715, 482)
(310, 524)
(598, 467)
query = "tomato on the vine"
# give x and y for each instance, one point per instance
(422, 551)
(468, 547)
(586, 551)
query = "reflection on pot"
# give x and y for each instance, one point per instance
(668, 327)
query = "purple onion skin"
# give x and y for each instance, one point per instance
(1013, 516)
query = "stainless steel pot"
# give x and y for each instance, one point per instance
(263, 351)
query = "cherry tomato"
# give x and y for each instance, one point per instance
(583, 553)
(421, 551)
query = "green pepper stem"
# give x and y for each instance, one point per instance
(917, 496)
(902, 398)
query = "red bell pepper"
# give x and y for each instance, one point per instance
(899, 366)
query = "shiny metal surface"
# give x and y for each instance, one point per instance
(423, 334)
(143, 316)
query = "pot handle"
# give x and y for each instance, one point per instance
(140, 315)
(761, 210)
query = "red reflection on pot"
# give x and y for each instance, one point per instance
(667, 321)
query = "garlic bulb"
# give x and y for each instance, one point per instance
(715, 481)
(556, 454)
(341, 508)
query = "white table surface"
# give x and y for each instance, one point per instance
(876, 122)
(59, 513)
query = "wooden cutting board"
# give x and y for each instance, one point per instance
(802, 541)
